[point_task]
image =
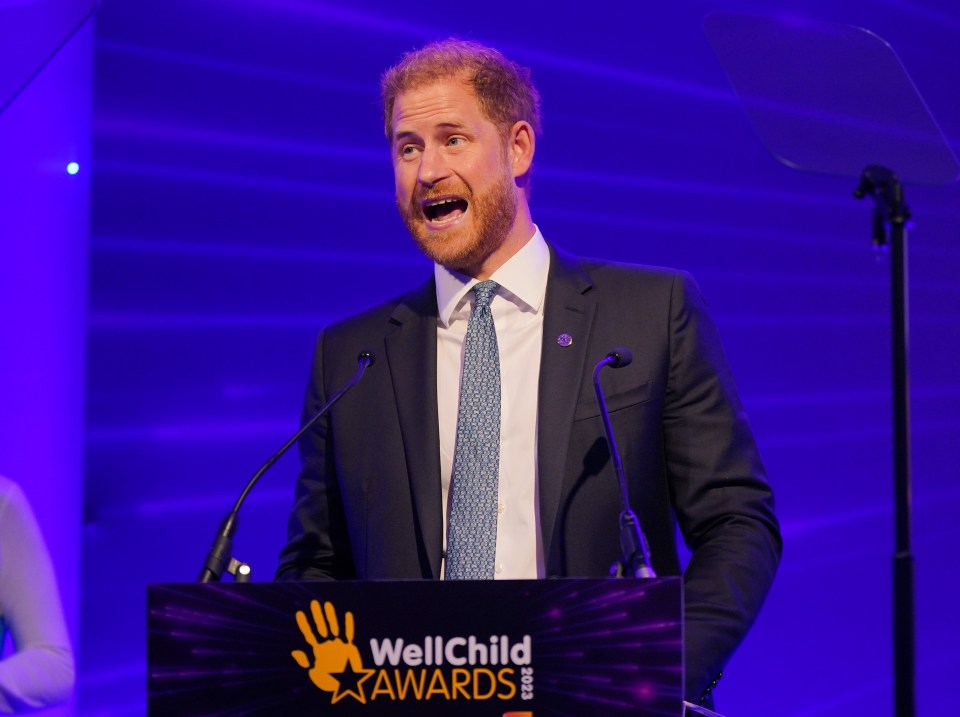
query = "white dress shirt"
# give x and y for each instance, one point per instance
(517, 309)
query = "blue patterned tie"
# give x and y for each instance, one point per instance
(472, 527)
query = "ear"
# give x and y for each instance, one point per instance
(521, 144)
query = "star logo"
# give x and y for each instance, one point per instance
(350, 682)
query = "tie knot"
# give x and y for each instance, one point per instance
(485, 291)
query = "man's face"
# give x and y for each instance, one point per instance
(455, 188)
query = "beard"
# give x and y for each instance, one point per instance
(462, 248)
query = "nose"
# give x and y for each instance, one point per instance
(433, 167)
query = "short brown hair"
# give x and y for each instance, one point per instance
(504, 90)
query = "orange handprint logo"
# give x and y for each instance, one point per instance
(336, 666)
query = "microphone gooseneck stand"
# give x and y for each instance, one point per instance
(634, 559)
(219, 559)
(890, 210)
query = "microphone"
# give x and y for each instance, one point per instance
(634, 552)
(218, 559)
(618, 357)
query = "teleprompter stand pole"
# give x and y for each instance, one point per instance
(890, 211)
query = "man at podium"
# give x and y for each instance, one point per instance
(474, 448)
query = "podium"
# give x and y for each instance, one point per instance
(514, 648)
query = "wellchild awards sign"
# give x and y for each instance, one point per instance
(494, 648)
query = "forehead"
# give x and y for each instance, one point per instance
(447, 101)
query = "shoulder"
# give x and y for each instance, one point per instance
(18, 525)
(420, 301)
(11, 497)
(342, 340)
(627, 280)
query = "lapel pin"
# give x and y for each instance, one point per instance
(564, 339)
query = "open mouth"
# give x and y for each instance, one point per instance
(443, 210)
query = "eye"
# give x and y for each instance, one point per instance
(408, 150)
(455, 141)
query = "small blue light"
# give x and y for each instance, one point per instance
(73, 168)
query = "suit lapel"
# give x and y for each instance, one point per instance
(569, 310)
(412, 355)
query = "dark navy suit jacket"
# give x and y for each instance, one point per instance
(368, 502)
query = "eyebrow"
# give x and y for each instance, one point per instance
(398, 136)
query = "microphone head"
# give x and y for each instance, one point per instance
(620, 357)
(366, 358)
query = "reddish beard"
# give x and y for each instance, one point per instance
(464, 248)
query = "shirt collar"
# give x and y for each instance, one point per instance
(523, 278)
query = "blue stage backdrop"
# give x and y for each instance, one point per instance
(242, 198)
(44, 215)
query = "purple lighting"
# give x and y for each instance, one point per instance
(43, 290)
(243, 198)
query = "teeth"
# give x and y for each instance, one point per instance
(441, 210)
